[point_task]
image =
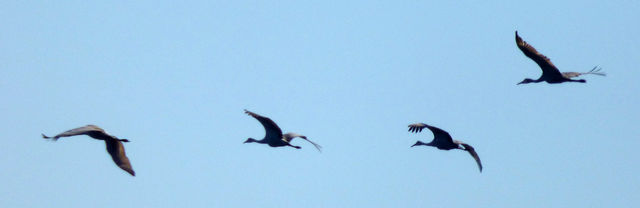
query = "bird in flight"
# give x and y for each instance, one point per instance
(550, 73)
(114, 144)
(442, 140)
(274, 136)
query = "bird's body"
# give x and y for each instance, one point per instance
(443, 141)
(550, 73)
(113, 144)
(274, 136)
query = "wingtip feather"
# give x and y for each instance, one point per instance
(48, 137)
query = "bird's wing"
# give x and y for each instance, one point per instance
(77, 131)
(545, 63)
(417, 127)
(116, 150)
(595, 71)
(570, 74)
(473, 154)
(271, 128)
(439, 135)
(290, 136)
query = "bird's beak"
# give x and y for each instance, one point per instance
(418, 143)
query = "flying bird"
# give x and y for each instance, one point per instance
(114, 144)
(550, 73)
(442, 140)
(274, 136)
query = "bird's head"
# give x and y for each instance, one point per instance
(249, 140)
(527, 80)
(418, 143)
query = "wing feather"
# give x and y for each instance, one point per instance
(473, 154)
(314, 144)
(271, 128)
(79, 131)
(439, 135)
(417, 127)
(116, 150)
(290, 136)
(545, 63)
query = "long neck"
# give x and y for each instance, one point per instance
(541, 79)
(420, 143)
(529, 80)
(262, 141)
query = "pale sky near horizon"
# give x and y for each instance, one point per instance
(174, 78)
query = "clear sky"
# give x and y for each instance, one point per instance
(174, 78)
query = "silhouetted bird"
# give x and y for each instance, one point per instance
(114, 144)
(550, 73)
(442, 140)
(274, 136)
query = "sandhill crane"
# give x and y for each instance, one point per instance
(114, 144)
(550, 73)
(442, 140)
(274, 136)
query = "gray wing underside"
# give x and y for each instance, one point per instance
(595, 71)
(77, 131)
(290, 136)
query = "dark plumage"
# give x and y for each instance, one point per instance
(114, 144)
(550, 73)
(442, 140)
(274, 136)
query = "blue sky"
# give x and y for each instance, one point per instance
(174, 78)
